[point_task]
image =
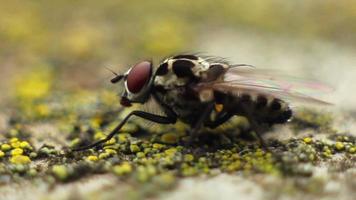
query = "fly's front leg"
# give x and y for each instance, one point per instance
(199, 123)
(170, 119)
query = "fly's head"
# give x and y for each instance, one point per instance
(137, 81)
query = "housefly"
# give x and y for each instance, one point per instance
(208, 91)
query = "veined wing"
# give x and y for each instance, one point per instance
(240, 79)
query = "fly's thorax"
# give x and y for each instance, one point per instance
(184, 70)
(180, 70)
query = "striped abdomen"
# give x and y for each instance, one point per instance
(262, 108)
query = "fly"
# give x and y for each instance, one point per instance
(207, 92)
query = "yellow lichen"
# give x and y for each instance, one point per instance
(110, 151)
(307, 140)
(122, 169)
(13, 140)
(111, 141)
(339, 146)
(188, 157)
(60, 171)
(157, 146)
(2, 154)
(20, 159)
(169, 138)
(16, 152)
(170, 152)
(104, 155)
(122, 138)
(92, 158)
(25, 145)
(5, 147)
(99, 135)
(134, 148)
(140, 154)
(15, 144)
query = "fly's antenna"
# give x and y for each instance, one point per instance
(117, 78)
(112, 71)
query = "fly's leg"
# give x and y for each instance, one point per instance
(257, 128)
(145, 115)
(199, 123)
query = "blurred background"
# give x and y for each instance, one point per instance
(63, 45)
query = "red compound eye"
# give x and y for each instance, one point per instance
(138, 76)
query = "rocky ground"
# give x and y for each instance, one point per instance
(310, 157)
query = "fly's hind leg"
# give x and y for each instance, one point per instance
(257, 128)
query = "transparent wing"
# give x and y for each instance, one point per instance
(240, 79)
